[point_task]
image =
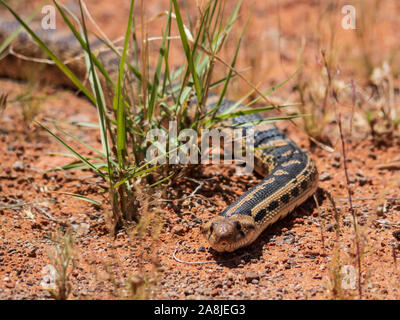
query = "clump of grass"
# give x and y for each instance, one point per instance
(330, 95)
(379, 106)
(317, 95)
(139, 283)
(335, 268)
(30, 104)
(367, 15)
(142, 100)
(62, 259)
(338, 276)
(357, 241)
(383, 117)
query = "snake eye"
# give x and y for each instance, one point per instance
(239, 229)
(238, 226)
(212, 227)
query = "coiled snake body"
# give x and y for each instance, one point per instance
(291, 174)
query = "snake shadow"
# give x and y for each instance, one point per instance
(254, 251)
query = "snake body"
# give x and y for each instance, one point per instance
(291, 177)
(290, 173)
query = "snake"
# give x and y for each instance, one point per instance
(290, 174)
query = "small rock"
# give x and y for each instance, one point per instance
(362, 180)
(331, 227)
(325, 176)
(189, 292)
(18, 166)
(32, 253)
(335, 164)
(81, 228)
(299, 220)
(290, 239)
(381, 210)
(10, 285)
(214, 292)
(337, 156)
(251, 275)
(396, 234)
(352, 180)
(179, 230)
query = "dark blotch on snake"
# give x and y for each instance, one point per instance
(285, 198)
(273, 205)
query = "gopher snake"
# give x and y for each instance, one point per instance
(292, 175)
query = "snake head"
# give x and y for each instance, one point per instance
(229, 233)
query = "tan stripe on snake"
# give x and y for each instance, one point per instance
(290, 174)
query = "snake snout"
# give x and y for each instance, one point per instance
(224, 234)
(228, 234)
(223, 231)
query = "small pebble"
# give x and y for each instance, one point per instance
(396, 234)
(18, 166)
(179, 230)
(335, 164)
(331, 227)
(325, 176)
(214, 292)
(251, 275)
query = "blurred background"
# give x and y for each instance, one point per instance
(356, 69)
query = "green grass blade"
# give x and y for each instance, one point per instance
(75, 153)
(244, 112)
(266, 120)
(228, 78)
(56, 60)
(98, 64)
(157, 73)
(14, 34)
(80, 197)
(274, 88)
(119, 106)
(102, 155)
(77, 165)
(96, 87)
(161, 181)
(75, 123)
(134, 175)
(188, 53)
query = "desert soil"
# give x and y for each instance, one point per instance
(300, 257)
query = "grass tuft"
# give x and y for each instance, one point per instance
(62, 259)
(146, 97)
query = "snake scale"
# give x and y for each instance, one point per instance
(290, 173)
